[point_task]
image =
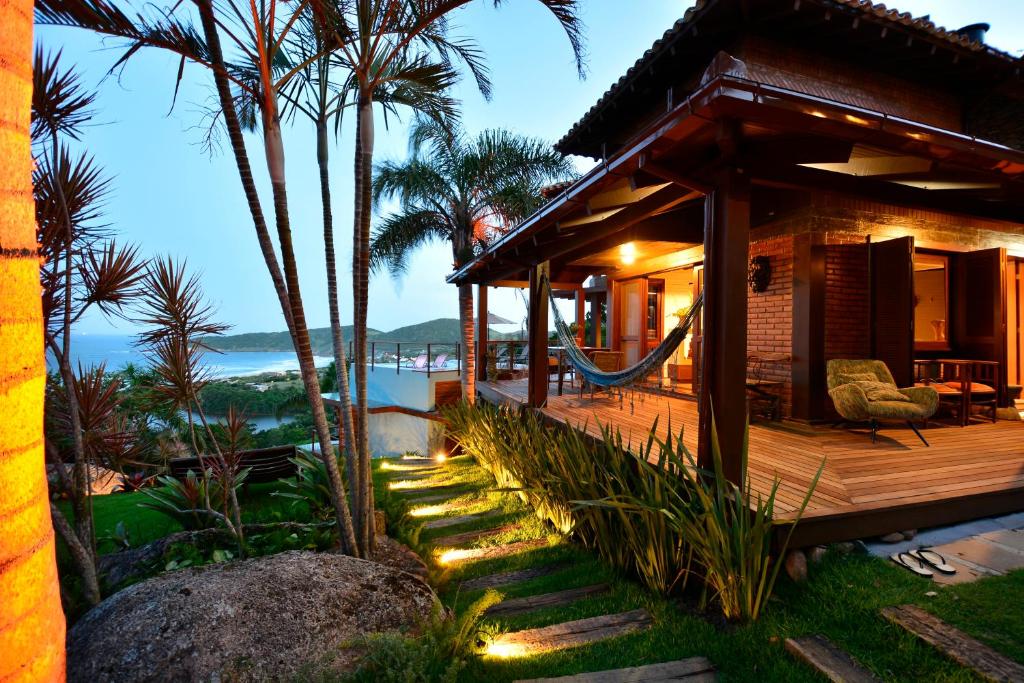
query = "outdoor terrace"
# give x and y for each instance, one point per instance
(865, 489)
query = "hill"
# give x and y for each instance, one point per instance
(440, 330)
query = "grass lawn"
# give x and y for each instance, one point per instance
(841, 600)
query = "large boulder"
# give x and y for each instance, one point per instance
(268, 618)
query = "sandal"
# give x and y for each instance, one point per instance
(912, 563)
(931, 558)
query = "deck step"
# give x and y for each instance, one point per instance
(427, 490)
(435, 497)
(955, 644)
(495, 551)
(507, 578)
(461, 519)
(692, 670)
(829, 660)
(573, 633)
(531, 603)
(467, 537)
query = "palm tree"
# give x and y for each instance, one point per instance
(256, 33)
(399, 44)
(464, 191)
(32, 625)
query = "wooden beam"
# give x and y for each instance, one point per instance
(670, 175)
(581, 316)
(482, 330)
(808, 340)
(724, 346)
(537, 372)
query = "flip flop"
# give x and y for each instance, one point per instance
(933, 560)
(912, 563)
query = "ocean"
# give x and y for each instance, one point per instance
(118, 350)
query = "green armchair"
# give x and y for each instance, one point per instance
(864, 391)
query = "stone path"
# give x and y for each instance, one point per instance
(571, 633)
(828, 660)
(955, 644)
(508, 578)
(467, 537)
(992, 553)
(693, 670)
(545, 600)
(460, 519)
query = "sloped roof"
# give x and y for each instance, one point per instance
(876, 11)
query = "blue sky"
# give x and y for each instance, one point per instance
(172, 197)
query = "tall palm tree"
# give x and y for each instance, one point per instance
(376, 41)
(464, 191)
(31, 619)
(256, 33)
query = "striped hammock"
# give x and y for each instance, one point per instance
(655, 359)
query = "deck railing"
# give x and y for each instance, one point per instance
(387, 355)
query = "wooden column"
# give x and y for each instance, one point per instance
(581, 317)
(537, 383)
(724, 347)
(808, 356)
(482, 330)
(595, 316)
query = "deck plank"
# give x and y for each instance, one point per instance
(532, 603)
(829, 660)
(955, 644)
(860, 477)
(578, 632)
(692, 670)
(508, 578)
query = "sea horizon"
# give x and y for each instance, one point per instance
(119, 350)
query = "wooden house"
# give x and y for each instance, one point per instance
(841, 181)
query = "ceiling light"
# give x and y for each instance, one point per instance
(627, 253)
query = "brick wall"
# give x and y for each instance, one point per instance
(770, 314)
(847, 298)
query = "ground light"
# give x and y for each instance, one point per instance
(429, 510)
(504, 650)
(440, 456)
(456, 555)
(404, 484)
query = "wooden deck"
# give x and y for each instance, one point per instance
(865, 489)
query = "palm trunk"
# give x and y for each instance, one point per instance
(32, 626)
(468, 350)
(337, 339)
(227, 105)
(300, 335)
(360, 288)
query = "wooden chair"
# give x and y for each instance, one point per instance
(606, 361)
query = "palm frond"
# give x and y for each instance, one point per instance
(60, 104)
(402, 233)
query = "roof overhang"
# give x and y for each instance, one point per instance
(672, 162)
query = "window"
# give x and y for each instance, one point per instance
(931, 301)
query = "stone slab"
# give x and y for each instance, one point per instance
(692, 670)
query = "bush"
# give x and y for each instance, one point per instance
(654, 514)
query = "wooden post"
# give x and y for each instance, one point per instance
(595, 316)
(724, 347)
(808, 355)
(482, 330)
(537, 383)
(581, 317)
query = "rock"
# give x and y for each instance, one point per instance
(894, 537)
(817, 554)
(909, 534)
(796, 565)
(268, 618)
(101, 480)
(845, 547)
(390, 552)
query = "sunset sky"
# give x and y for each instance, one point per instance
(172, 197)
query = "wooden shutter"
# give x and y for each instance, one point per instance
(892, 307)
(980, 322)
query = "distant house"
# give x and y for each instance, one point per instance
(841, 181)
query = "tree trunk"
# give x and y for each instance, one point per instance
(300, 335)
(337, 338)
(467, 326)
(31, 620)
(227, 105)
(360, 289)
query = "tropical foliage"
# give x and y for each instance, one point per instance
(464, 191)
(645, 508)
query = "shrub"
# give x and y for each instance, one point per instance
(186, 500)
(310, 485)
(438, 654)
(654, 513)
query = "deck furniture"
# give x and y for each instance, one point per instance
(606, 361)
(264, 464)
(439, 362)
(420, 362)
(864, 391)
(557, 365)
(762, 399)
(974, 382)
